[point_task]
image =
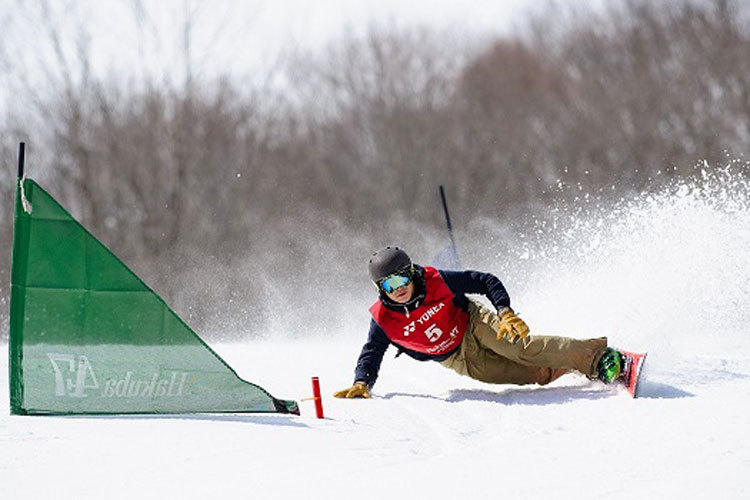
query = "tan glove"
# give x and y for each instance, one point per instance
(511, 326)
(358, 390)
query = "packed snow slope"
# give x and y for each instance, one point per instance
(666, 273)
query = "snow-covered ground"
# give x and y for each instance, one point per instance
(426, 432)
(668, 274)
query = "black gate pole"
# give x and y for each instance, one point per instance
(450, 226)
(21, 159)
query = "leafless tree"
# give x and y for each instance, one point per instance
(229, 197)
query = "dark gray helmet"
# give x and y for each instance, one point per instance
(387, 261)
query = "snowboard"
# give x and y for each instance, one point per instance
(633, 369)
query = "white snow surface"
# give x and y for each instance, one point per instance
(426, 433)
(667, 274)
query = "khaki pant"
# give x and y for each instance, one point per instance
(534, 360)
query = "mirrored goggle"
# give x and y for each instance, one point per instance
(394, 281)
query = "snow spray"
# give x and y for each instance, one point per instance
(666, 271)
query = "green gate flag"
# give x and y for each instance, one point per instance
(87, 336)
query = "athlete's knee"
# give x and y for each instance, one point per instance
(547, 375)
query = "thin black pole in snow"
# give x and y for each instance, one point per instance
(445, 207)
(450, 226)
(21, 158)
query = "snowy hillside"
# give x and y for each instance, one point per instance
(668, 274)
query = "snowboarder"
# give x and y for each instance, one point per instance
(425, 313)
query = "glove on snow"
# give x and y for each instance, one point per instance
(512, 326)
(358, 390)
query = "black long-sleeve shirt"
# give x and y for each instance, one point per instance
(460, 283)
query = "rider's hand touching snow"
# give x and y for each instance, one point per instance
(358, 390)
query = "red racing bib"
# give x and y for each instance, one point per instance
(436, 327)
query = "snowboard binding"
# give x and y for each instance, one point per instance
(622, 367)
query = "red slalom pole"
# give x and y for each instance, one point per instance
(316, 396)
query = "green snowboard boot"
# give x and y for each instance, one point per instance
(611, 366)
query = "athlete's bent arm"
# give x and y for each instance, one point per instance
(368, 364)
